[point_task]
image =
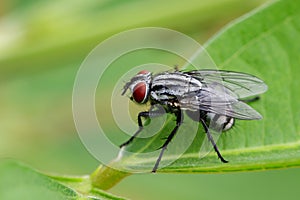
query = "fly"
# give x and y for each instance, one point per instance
(207, 96)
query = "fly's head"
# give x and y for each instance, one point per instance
(139, 86)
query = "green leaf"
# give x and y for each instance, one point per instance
(264, 43)
(18, 181)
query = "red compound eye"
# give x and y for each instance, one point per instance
(139, 92)
(143, 72)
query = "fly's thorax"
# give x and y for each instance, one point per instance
(171, 86)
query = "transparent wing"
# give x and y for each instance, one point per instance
(217, 99)
(238, 110)
(241, 84)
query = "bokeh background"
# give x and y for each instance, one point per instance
(43, 43)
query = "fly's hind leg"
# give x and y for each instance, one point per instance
(210, 138)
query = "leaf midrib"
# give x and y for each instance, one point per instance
(266, 148)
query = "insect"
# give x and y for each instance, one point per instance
(207, 96)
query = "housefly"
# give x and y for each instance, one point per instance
(207, 96)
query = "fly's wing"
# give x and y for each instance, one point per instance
(217, 99)
(241, 84)
(238, 110)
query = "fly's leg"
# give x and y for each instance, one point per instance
(146, 114)
(210, 138)
(250, 100)
(179, 119)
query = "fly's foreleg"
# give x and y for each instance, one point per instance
(179, 119)
(146, 114)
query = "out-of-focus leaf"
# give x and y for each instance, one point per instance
(21, 182)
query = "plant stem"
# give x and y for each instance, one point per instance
(105, 177)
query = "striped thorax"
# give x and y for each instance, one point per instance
(172, 86)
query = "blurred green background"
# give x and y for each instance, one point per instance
(43, 43)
